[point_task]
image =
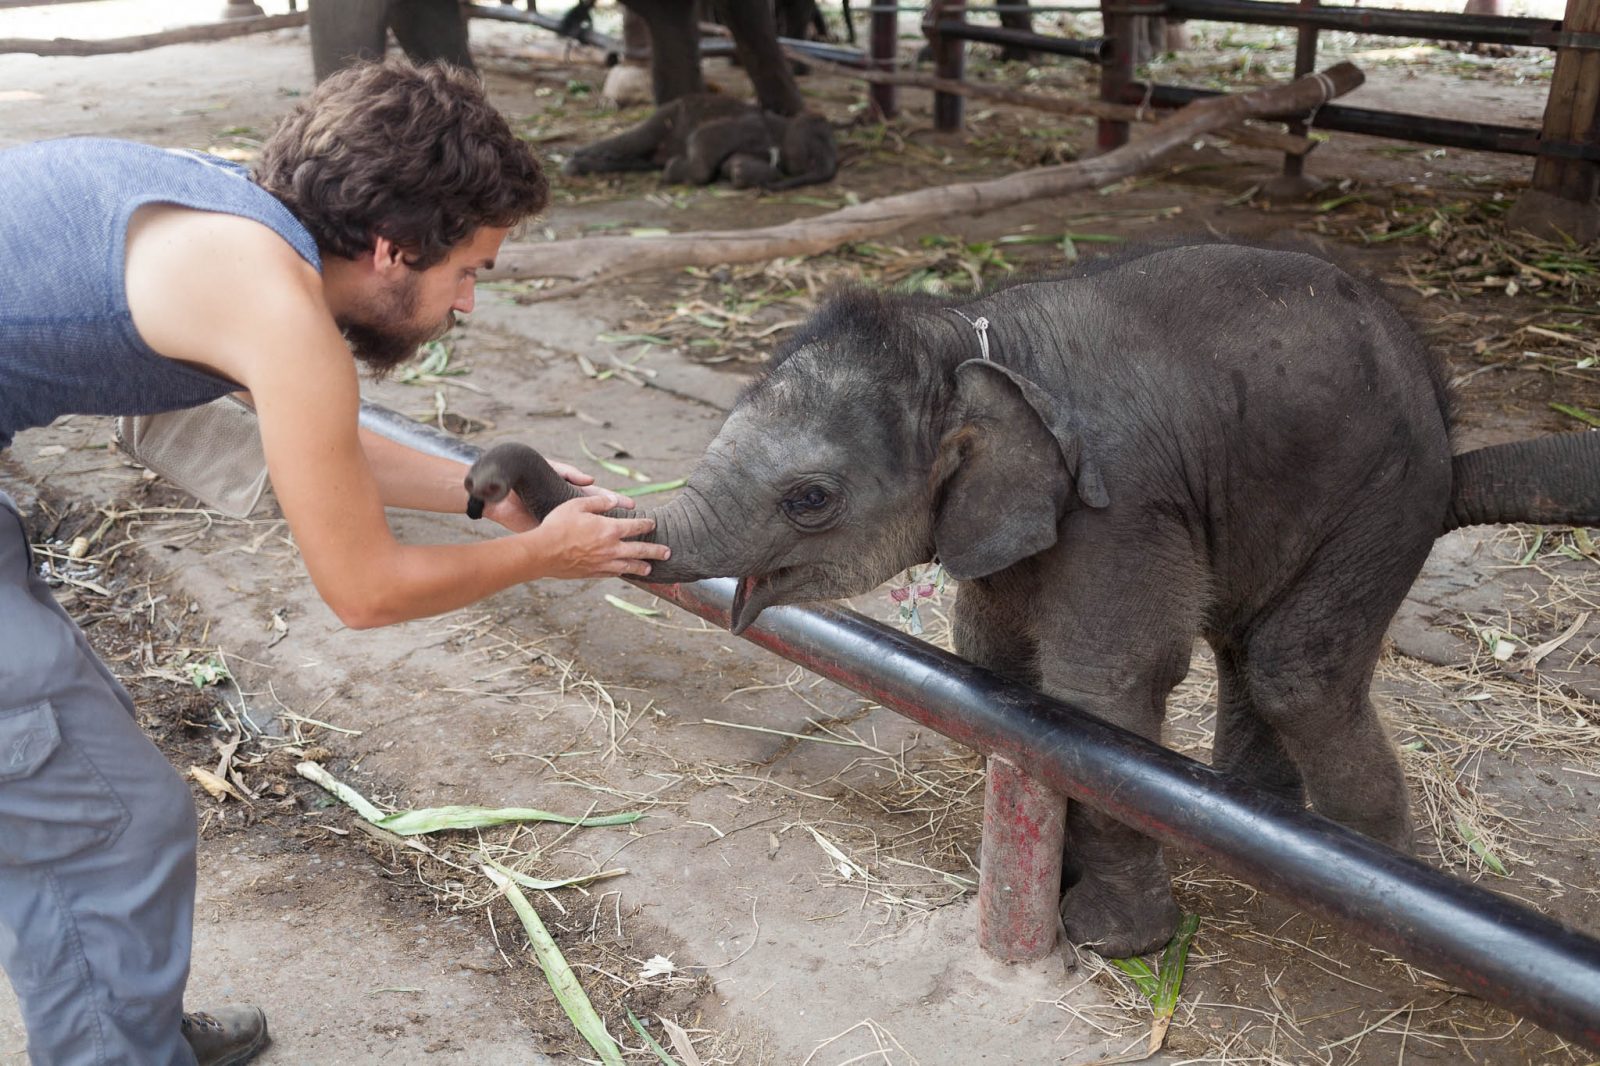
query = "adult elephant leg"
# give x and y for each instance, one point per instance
(1246, 747)
(1115, 638)
(432, 30)
(674, 46)
(346, 31)
(755, 39)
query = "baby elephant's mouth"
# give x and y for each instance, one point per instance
(758, 592)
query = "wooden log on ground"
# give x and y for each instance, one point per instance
(1060, 105)
(211, 31)
(589, 259)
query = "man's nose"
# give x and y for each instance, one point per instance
(465, 299)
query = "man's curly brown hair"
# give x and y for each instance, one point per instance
(415, 154)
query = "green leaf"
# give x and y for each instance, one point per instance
(540, 885)
(659, 486)
(1533, 552)
(615, 468)
(438, 819)
(563, 982)
(1173, 961)
(1469, 836)
(1142, 976)
(1582, 415)
(632, 608)
(210, 671)
(1162, 990)
(655, 1045)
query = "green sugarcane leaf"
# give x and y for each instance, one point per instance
(1172, 965)
(632, 608)
(343, 792)
(563, 982)
(1586, 417)
(655, 1045)
(615, 468)
(541, 885)
(659, 486)
(1142, 975)
(1472, 840)
(437, 819)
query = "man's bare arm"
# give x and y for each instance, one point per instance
(282, 346)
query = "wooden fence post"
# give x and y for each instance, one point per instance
(1563, 195)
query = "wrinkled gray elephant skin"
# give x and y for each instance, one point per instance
(1246, 444)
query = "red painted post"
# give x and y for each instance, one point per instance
(1019, 872)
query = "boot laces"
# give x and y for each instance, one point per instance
(201, 1021)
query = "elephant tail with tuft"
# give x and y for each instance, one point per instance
(1551, 480)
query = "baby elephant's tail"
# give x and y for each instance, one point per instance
(1548, 480)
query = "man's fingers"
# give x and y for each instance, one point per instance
(604, 500)
(634, 527)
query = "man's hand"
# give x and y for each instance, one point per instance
(577, 540)
(511, 513)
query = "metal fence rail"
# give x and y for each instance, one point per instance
(1497, 950)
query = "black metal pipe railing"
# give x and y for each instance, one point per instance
(1493, 948)
(1423, 129)
(1090, 48)
(1445, 25)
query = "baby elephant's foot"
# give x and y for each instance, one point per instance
(1120, 918)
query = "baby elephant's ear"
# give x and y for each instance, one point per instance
(1005, 473)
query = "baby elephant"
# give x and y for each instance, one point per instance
(698, 138)
(1246, 445)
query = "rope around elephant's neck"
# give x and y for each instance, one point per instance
(979, 324)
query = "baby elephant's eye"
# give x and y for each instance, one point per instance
(809, 505)
(813, 498)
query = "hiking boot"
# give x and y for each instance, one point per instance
(227, 1037)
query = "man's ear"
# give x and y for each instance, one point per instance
(1006, 471)
(388, 258)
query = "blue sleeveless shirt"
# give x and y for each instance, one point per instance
(67, 340)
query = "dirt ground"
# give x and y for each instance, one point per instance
(799, 889)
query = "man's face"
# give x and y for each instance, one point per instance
(421, 306)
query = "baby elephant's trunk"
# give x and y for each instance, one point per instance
(1548, 480)
(508, 468)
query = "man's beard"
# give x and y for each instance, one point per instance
(384, 335)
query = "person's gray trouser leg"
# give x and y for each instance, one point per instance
(97, 843)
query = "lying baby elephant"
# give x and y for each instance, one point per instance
(1246, 444)
(698, 138)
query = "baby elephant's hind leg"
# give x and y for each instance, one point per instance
(1308, 667)
(1246, 747)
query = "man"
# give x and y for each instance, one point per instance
(137, 280)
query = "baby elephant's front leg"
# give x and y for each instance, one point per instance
(1119, 902)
